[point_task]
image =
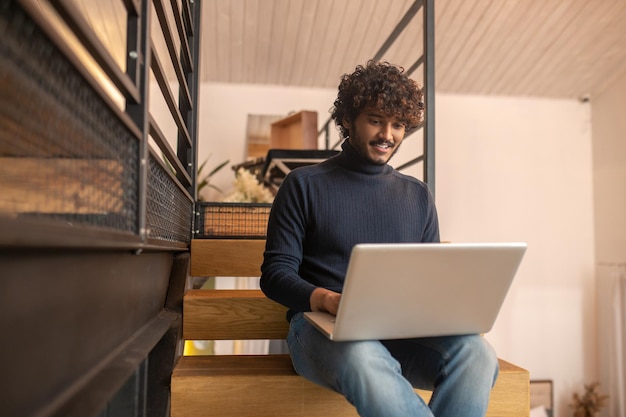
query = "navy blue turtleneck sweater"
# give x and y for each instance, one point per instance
(321, 211)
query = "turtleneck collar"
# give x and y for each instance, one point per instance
(353, 161)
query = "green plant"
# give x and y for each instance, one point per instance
(590, 403)
(205, 181)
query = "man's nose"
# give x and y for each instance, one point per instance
(386, 131)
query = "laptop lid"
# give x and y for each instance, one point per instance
(405, 290)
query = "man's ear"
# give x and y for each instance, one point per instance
(346, 123)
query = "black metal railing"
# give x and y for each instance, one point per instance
(96, 202)
(80, 147)
(427, 62)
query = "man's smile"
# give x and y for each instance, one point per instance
(383, 146)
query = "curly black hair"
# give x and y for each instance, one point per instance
(383, 86)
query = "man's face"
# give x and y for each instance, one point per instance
(375, 136)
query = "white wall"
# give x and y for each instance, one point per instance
(520, 169)
(224, 110)
(609, 163)
(507, 169)
(609, 160)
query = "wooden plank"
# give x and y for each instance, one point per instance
(231, 365)
(263, 386)
(256, 396)
(297, 131)
(226, 257)
(312, 56)
(61, 185)
(232, 315)
(257, 150)
(295, 28)
(511, 394)
(237, 42)
(267, 385)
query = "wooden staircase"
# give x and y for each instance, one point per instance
(267, 385)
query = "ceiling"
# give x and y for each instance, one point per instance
(542, 48)
(545, 48)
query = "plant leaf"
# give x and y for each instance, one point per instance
(217, 168)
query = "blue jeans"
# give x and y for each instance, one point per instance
(378, 377)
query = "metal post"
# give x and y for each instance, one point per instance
(193, 82)
(429, 89)
(139, 50)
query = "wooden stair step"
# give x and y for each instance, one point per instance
(232, 315)
(267, 386)
(226, 257)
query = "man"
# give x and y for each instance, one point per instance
(320, 212)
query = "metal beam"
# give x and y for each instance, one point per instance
(429, 90)
(406, 19)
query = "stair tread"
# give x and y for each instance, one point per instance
(216, 365)
(267, 386)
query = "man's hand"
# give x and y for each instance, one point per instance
(325, 300)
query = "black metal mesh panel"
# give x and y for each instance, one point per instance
(64, 154)
(232, 220)
(169, 210)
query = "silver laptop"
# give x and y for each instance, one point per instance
(406, 290)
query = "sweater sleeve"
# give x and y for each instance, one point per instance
(431, 229)
(280, 279)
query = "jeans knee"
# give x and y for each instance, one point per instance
(362, 359)
(481, 355)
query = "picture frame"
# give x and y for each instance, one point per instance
(542, 394)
